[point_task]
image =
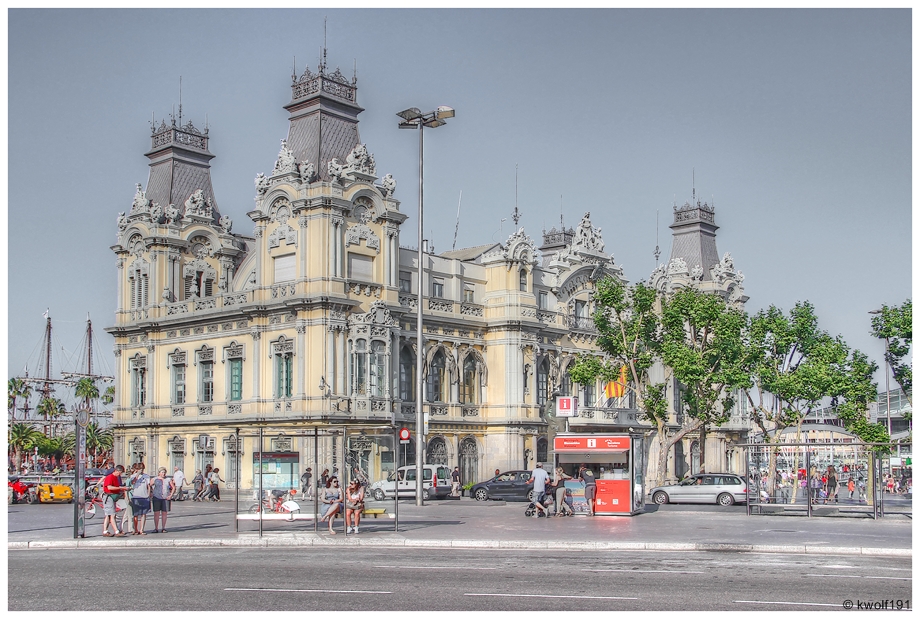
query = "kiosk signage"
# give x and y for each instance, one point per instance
(617, 470)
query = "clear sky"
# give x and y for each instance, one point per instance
(797, 122)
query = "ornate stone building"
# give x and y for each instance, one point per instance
(309, 320)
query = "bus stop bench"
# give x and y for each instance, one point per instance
(377, 512)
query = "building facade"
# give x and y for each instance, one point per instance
(308, 322)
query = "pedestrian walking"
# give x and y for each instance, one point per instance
(178, 481)
(324, 479)
(831, 485)
(587, 476)
(306, 485)
(213, 481)
(354, 505)
(198, 484)
(455, 482)
(332, 501)
(851, 486)
(815, 485)
(140, 499)
(112, 489)
(162, 490)
(539, 478)
(562, 508)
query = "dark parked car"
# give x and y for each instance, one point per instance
(511, 486)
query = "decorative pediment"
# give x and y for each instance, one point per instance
(138, 267)
(282, 232)
(378, 314)
(355, 233)
(519, 248)
(192, 267)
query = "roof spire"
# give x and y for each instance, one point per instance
(657, 250)
(693, 172)
(180, 100)
(323, 65)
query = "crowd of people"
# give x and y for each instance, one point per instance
(823, 486)
(553, 492)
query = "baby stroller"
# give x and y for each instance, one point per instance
(547, 503)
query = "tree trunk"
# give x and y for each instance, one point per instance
(702, 448)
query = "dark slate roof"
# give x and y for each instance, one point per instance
(172, 181)
(339, 137)
(469, 253)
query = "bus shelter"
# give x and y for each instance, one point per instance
(270, 460)
(618, 464)
(793, 477)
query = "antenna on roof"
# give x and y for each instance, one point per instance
(694, 185)
(657, 250)
(561, 220)
(294, 70)
(324, 45)
(180, 100)
(516, 216)
(457, 228)
(354, 77)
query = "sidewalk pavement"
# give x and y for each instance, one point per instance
(495, 524)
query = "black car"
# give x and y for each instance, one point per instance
(510, 486)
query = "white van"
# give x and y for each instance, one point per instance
(435, 484)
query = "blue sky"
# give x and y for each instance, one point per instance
(797, 122)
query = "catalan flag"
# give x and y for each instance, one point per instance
(617, 388)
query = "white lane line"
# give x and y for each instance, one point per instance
(301, 590)
(858, 576)
(646, 571)
(435, 567)
(530, 595)
(787, 603)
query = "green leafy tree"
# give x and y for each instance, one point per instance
(702, 344)
(22, 438)
(629, 335)
(895, 326)
(108, 396)
(17, 389)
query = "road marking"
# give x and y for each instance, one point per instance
(787, 603)
(302, 590)
(531, 595)
(858, 576)
(647, 571)
(435, 567)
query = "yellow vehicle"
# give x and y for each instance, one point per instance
(55, 492)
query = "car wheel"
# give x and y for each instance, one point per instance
(379, 495)
(530, 495)
(425, 494)
(29, 499)
(726, 499)
(660, 498)
(481, 494)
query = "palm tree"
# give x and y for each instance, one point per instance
(16, 388)
(109, 396)
(86, 390)
(51, 448)
(98, 439)
(22, 437)
(50, 407)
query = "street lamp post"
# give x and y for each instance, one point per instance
(413, 118)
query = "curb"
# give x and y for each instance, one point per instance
(395, 542)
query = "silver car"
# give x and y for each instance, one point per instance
(719, 488)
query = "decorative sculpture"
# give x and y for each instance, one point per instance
(336, 170)
(226, 223)
(172, 214)
(307, 171)
(140, 200)
(389, 185)
(286, 162)
(262, 184)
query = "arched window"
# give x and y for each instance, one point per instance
(469, 388)
(359, 367)
(406, 375)
(542, 381)
(437, 378)
(437, 451)
(566, 387)
(469, 459)
(541, 449)
(523, 279)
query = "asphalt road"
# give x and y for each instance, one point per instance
(368, 579)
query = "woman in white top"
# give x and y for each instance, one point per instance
(140, 498)
(354, 505)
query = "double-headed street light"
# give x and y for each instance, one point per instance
(413, 118)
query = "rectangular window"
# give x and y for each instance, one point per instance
(206, 368)
(178, 372)
(523, 280)
(236, 379)
(437, 288)
(378, 369)
(405, 282)
(284, 371)
(360, 267)
(467, 293)
(543, 300)
(285, 268)
(139, 387)
(542, 385)
(590, 399)
(581, 309)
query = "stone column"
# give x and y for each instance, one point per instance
(301, 329)
(256, 364)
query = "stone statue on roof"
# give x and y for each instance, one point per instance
(286, 162)
(389, 185)
(307, 171)
(587, 236)
(262, 184)
(140, 200)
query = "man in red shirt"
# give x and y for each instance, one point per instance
(112, 490)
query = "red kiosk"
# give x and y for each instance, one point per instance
(618, 463)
